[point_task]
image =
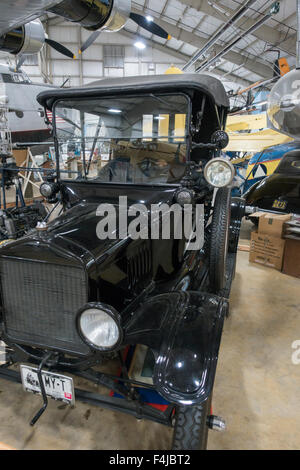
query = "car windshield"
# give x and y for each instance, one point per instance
(122, 139)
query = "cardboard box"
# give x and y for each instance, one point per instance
(291, 229)
(266, 250)
(271, 224)
(291, 262)
(20, 156)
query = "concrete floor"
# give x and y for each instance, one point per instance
(256, 389)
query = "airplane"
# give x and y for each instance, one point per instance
(22, 33)
(26, 118)
(28, 124)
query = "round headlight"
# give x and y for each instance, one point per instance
(219, 172)
(46, 189)
(100, 327)
(184, 196)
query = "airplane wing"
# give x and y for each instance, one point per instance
(14, 13)
(256, 141)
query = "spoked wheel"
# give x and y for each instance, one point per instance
(191, 427)
(219, 239)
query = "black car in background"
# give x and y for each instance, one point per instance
(71, 299)
(279, 192)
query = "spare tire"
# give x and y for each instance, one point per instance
(219, 239)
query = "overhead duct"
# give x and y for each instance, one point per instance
(237, 16)
(273, 11)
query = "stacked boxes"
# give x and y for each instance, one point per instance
(267, 244)
(291, 262)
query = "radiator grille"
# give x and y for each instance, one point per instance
(40, 303)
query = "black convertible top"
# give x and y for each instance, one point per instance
(148, 83)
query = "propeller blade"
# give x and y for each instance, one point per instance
(90, 40)
(20, 62)
(149, 26)
(60, 48)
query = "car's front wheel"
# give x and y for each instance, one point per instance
(219, 240)
(191, 427)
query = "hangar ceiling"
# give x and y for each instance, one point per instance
(193, 22)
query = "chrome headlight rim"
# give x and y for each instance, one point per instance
(110, 311)
(53, 187)
(47, 193)
(219, 160)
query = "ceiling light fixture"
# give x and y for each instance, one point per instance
(140, 45)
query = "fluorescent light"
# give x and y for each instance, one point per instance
(140, 45)
(149, 18)
(116, 111)
(260, 103)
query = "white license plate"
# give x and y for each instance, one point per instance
(57, 386)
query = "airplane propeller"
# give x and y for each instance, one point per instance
(90, 40)
(149, 25)
(55, 45)
(140, 20)
(60, 48)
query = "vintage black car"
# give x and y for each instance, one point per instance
(279, 192)
(71, 297)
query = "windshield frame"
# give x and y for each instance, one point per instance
(115, 96)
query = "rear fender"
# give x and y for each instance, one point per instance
(184, 330)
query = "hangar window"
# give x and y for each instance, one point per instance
(113, 60)
(32, 60)
(113, 56)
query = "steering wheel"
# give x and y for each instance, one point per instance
(148, 165)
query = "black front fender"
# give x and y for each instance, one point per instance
(184, 331)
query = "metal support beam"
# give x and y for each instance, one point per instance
(237, 16)
(230, 46)
(236, 58)
(265, 33)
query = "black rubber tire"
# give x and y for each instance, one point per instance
(219, 239)
(191, 429)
